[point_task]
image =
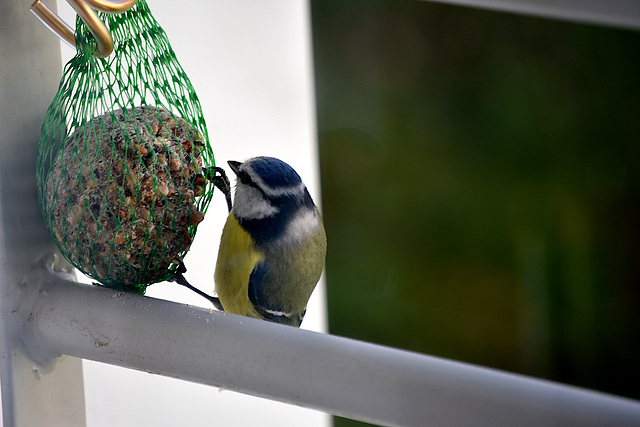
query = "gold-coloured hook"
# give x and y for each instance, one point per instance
(86, 10)
(49, 18)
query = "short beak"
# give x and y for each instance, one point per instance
(235, 166)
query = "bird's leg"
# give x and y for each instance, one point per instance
(178, 277)
(221, 182)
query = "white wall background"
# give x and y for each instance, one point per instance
(250, 62)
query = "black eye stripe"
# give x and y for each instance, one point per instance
(245, 178)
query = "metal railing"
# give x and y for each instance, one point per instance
(614, 13)
(337, 375)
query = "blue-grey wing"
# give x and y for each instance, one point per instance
(264, 294)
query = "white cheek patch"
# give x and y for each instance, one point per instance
(249, 203)
(302, 225)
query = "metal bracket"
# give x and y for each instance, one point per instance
(86, 10)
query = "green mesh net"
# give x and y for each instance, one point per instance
(123, 155)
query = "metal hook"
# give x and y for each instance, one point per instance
(86, 10)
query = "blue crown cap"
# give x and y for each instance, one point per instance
(275, 173)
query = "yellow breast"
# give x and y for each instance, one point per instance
(237, 257)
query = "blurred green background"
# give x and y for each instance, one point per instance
(480, 176)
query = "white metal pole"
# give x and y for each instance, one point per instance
(615, 13)
(29, 73)
(336, 375)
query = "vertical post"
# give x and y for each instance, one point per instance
(30, 69)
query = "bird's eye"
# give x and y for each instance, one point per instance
(245, 178)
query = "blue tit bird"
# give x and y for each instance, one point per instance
(273, 245)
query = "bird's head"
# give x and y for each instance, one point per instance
(265, 186)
